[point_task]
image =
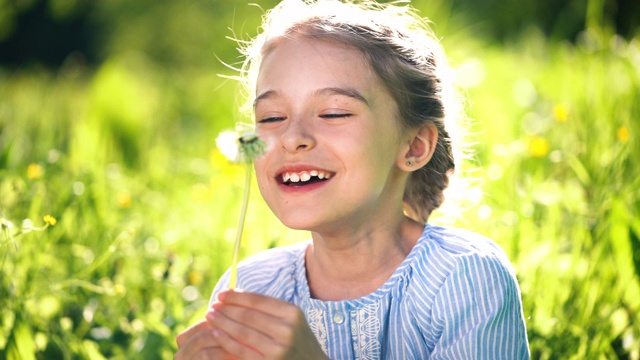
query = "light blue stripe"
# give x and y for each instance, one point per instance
(454, 297)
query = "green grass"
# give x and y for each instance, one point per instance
(146, 207)
(560, 128)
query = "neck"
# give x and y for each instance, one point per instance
(356, 264)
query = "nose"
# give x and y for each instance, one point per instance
(297, 136)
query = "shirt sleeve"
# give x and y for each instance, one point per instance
(222, 284)
(270, 273)
(478, 312)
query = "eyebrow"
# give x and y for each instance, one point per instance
(348, 92)
(264, 96)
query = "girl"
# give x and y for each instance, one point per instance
(352, 102)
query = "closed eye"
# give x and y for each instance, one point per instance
(335, 116)
(272, 119)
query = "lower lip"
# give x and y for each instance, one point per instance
(303, 188)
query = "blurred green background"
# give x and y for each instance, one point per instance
(109, 112)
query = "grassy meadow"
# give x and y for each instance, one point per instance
(141, 208)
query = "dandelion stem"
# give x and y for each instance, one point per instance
(243, 212)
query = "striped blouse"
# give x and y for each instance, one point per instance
(455, 296)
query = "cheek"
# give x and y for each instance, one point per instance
(260, 170)
(270, 139)
(260, 167)
(261, 164)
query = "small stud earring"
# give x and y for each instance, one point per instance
(409, 163)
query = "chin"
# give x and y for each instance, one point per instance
(296, 223)
(299, 220)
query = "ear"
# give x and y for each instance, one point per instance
(419, 148)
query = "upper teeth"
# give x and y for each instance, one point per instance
(304, 175)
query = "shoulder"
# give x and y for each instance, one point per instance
(465, 294)
(474, 265)
(454, 264)
(443, 250)
(478, 265)
(460, 242)
(270, 272)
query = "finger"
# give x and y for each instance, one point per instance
(184, 336)
(260, 335)
(234, 347)
(240, 320)
(217, 353)
(199, 346)
(266, 304)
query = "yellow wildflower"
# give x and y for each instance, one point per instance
(119, 290)
(49, 220)
(34, 171)
(623, 134)
(124, 199)
(560, 113)
(195, 277)
(538, 146)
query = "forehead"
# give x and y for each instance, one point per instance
(314, 62)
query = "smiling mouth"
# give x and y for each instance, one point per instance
(301, 178)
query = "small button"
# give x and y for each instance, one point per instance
(338, 318)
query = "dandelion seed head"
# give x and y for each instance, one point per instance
(251, 146)
(240, 148)
(227, 143)
(5, 224)
(27, 225)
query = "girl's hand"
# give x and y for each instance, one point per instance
(253, 326)
(198, 342)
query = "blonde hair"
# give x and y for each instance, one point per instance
(402, 51)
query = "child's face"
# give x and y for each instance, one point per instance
(324, 113)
